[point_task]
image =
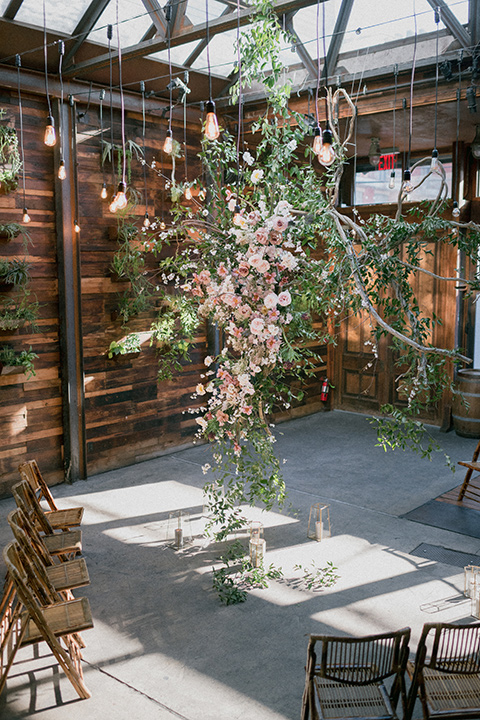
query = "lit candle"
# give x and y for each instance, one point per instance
(318, 530)
(178, 537)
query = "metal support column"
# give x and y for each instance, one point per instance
(69, 300)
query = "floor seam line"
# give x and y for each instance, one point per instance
(122, 682)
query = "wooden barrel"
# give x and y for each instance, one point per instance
(466, 404)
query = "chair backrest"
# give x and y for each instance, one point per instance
(450, 648)
(359, 661)
(26, 534)
(30, 472)
(28, 502)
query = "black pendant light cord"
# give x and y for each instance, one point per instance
(185, 135)
(410, 129)
(122, 103)
(325, 68)
(395, 73)
(102, 97)
(61, 50)
(318, 64)
(240, 99)
(459, 95)
(18, 63)
(168, 14)
(109, 37)
(404, 112)
(142, 90)
(437, 20)
(45, 58)
(207, 30)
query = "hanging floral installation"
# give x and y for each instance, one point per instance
(265, 256)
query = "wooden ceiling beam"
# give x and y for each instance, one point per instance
(12, 8)
(451, 22)
(196, 32)
(84, 26)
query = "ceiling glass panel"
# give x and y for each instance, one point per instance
(60, 15)
(178, 54)
(222, 54)
(134, 21)
(196, 10)
(3, 6)
(307, 20)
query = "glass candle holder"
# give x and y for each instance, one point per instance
(257, 548)
(256, 530)
(179, 531)
(471, 577)
(319, 522)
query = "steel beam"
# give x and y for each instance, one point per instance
(157, 16)
(451, 22)
(299, 48)
(196, 32)
(203, 43)
(178, 10)
(474, 21)
(69, 302)
(12, 8)
(337, 37)
(84, 26)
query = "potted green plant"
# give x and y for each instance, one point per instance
(8, 231)
(127, 345)
(10, 161)
(13, 273)
(11, 361)
(15, 313)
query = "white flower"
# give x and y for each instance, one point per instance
(270, 300)
(249, 159)
(257, 175)
(208, 360)
(292, 145)
(206, 468)
(284, 298)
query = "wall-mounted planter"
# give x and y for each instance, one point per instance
(9, 231)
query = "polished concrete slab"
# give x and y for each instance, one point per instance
(164, 647)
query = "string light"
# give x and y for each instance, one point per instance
(168, 144)
(62, 171)
(120, 200)
(326, 156)
(49, 137)
(188, 193)
(211, 130)
(146, 220)
(103, 193)
(317, 140)
(76, 226)
(26, 217)
(407, 182)
(456, 209)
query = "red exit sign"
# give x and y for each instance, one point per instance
(387, 162)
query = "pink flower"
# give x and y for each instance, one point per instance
(244, 312)
(271, 343)
(243, 268)
(221, 417)
(263, 266)
(246, 409)
(276, 237)
(269, 278)
(222, 271)
(284, 298)
(254, 259)
(256, 326)
(197, 291)
(232, 203)
(261, 236)
(253, 217)
(204, 277)
(237, 449)
(270, 300)
(279, 224)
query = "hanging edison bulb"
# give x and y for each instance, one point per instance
(103, 193)
(76, 226)
(391, 182)
(146, 220)
(456, 209)
(120, 198)
(26, 217)
(50, 137)
(407, 182)
(236, 214)
(374, 152)
(326, 156)
(62, 173)
(168, 144)
(317, 140)
(188, 193)
(162, 225)
(434, 160)
(212, 130)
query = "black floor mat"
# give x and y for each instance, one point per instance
(448, 517)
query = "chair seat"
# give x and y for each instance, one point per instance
(62, 619)
(470, 464)
(448, 692)
(336, 700)
(65, 519)
(64, 542)
(68, 575)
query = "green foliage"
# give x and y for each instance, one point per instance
(132, 150)
(128, 263)
(316, 578)
(10, 230)
(128, 344)
(25, 358)
(10, 161)
(19, 312)
(14, 272)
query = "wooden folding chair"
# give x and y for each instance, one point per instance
(63, 545)
(47, 520)
(348, 679)
(50, 621)
(446, 672)
(469, 489)
(11, 628)
(30, 472)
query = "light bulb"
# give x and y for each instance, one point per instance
(211, 130)
(456, 209)
(326, 156)
(317, 140)
(407, 184)
(113, 205)
(76, 227)
(434, 161)
(103, 194)
(62, 173)
(162, 225)
(236, 214)
(168, 144)
(146, 221)
(26, 217)
(374, 152)
(391, 182)
(50, 137)
(188, 193)
(120, 198)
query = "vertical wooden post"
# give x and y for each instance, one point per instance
(69, 300)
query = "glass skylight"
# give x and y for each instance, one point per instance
(134, 22)
(60, 16)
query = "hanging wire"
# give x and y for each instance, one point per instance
(325, 64)
(75, 169)
(410, 129)
(61, 50)
(185, 135)
(109, 37)
(240, 100)
(404, 109)
(18, 63)
(459, 95)
(170, 86)
(437, 20)
(142, 90)
(207, 30)
(122, 103)
(102, 97)
(45, 57)
(318, 63)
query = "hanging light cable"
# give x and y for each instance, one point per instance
(434, 161)
(146, 219)
(76, 225)
(18, 64)
(407, 175)
(113, 206)
(212, 130)
(237, 209)
(317, 133)
(120, 198)
(188, 190)
(168, 144)
(456, 209)
(391, 182)
(62, 172)
(103, 193)
(49, 137)
(326, 155)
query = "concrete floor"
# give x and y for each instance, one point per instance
(163, 646)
